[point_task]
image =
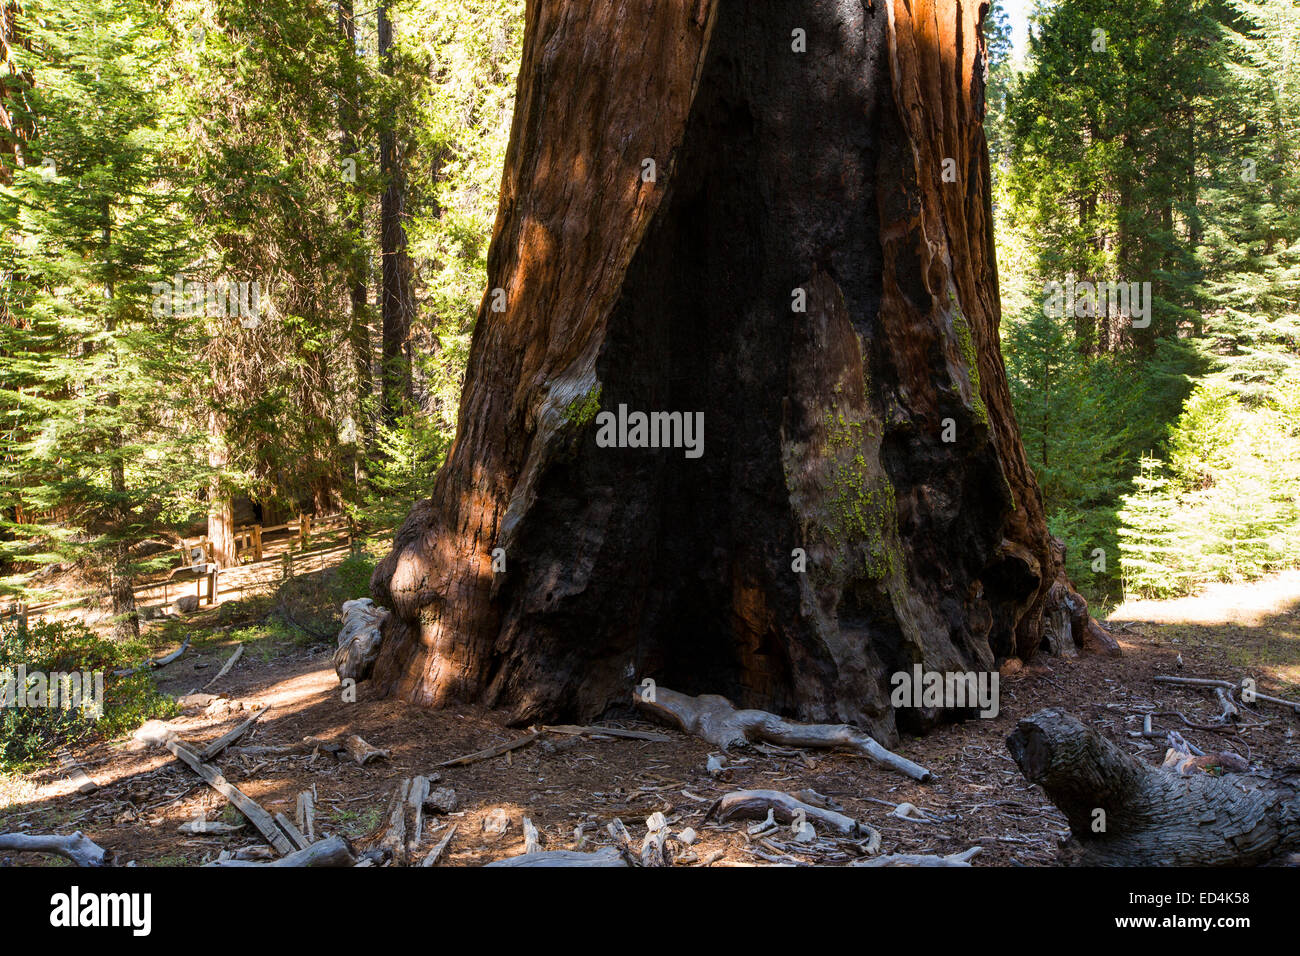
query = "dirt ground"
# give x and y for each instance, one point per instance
(562, 782)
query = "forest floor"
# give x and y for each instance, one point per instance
(560, 782)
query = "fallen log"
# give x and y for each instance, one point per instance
(331, 852)
(362, 752)
(717, 720)
(1126, 813)
(914, 859)
(77, 848)
(609, 856)
(225, 668)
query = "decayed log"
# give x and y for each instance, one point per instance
(332, 852)
(436, 852)
(609, 856)
(395, 836)
(717, 720)
(77, 848)
(362, 752)
(784, 808)
(913, 859)
(1148, 816)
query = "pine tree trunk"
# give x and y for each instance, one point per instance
(221, 510)
(359, 325)
(779, 176)
(12, 82)
(397, 303)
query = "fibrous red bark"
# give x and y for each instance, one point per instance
(870, 434)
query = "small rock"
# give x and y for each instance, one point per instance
(687, 837)
(152, 733)
(496, 822)
(442, 800)
(195, 701)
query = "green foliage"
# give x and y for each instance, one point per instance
(90, 372)
(32, 734)
(406, 458)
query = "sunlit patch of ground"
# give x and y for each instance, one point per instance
(565, 785)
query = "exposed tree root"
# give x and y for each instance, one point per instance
(717, 720)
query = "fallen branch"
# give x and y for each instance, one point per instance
(229, 737)
(607, 732)
(225, 668)
(716, 720)
(1238, 689)
(77, 848)
(491, 752)
(436, 852)
(609, 856)
(332, 852)
(913, 859)
(151, 665)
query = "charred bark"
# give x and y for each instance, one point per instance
(854, 177)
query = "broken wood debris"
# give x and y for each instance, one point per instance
(152, 664)
(749, 803)
(333, 851)
(914, 859)
(305, 813)
(225, 668)
(213, 749)
(436, 852)
(249, 807)
(79, 849)
(609, 856)
(490, 752)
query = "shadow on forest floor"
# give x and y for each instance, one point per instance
(561, 782)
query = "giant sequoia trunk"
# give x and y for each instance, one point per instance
(781, 178)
